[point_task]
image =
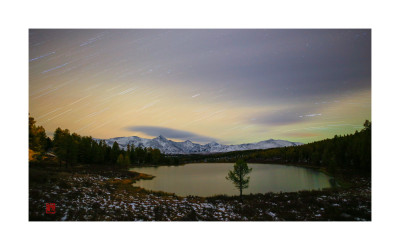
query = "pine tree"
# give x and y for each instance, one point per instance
(114, 154)
(37, 137)
(120, 160)
(132, 155)
(156, 156)
(238, 175)
(61, 143)
(127, 161)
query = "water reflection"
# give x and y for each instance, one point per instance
(207, 179)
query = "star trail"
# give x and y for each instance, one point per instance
(232, 86)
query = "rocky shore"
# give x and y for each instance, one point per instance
(90, 194)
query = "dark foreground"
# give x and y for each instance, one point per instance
(101, 194)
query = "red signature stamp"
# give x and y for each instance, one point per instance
(50, 208)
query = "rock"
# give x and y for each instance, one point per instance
(344, 215)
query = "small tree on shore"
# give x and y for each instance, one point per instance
(238, 175)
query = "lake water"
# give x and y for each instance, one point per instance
(207, 179)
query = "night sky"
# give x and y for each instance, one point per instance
(230, 86)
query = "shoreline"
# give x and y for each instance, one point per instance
(88, 193)
(340, 182)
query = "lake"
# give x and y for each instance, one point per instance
(207, 179)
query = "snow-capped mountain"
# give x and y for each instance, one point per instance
(187, 147)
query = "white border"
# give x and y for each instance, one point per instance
(17, 17)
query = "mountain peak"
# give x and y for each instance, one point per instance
(162, 138)
(187, 147)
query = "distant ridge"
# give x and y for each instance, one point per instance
(187, 147)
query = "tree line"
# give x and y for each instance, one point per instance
(340, 152)
(71, 149)
(347, 151)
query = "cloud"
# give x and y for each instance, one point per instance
(277, 118)
(171, 133)
(286, 116)
(310, 115)
(285, 64)
(301, 134)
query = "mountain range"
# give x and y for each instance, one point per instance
(187, 147)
